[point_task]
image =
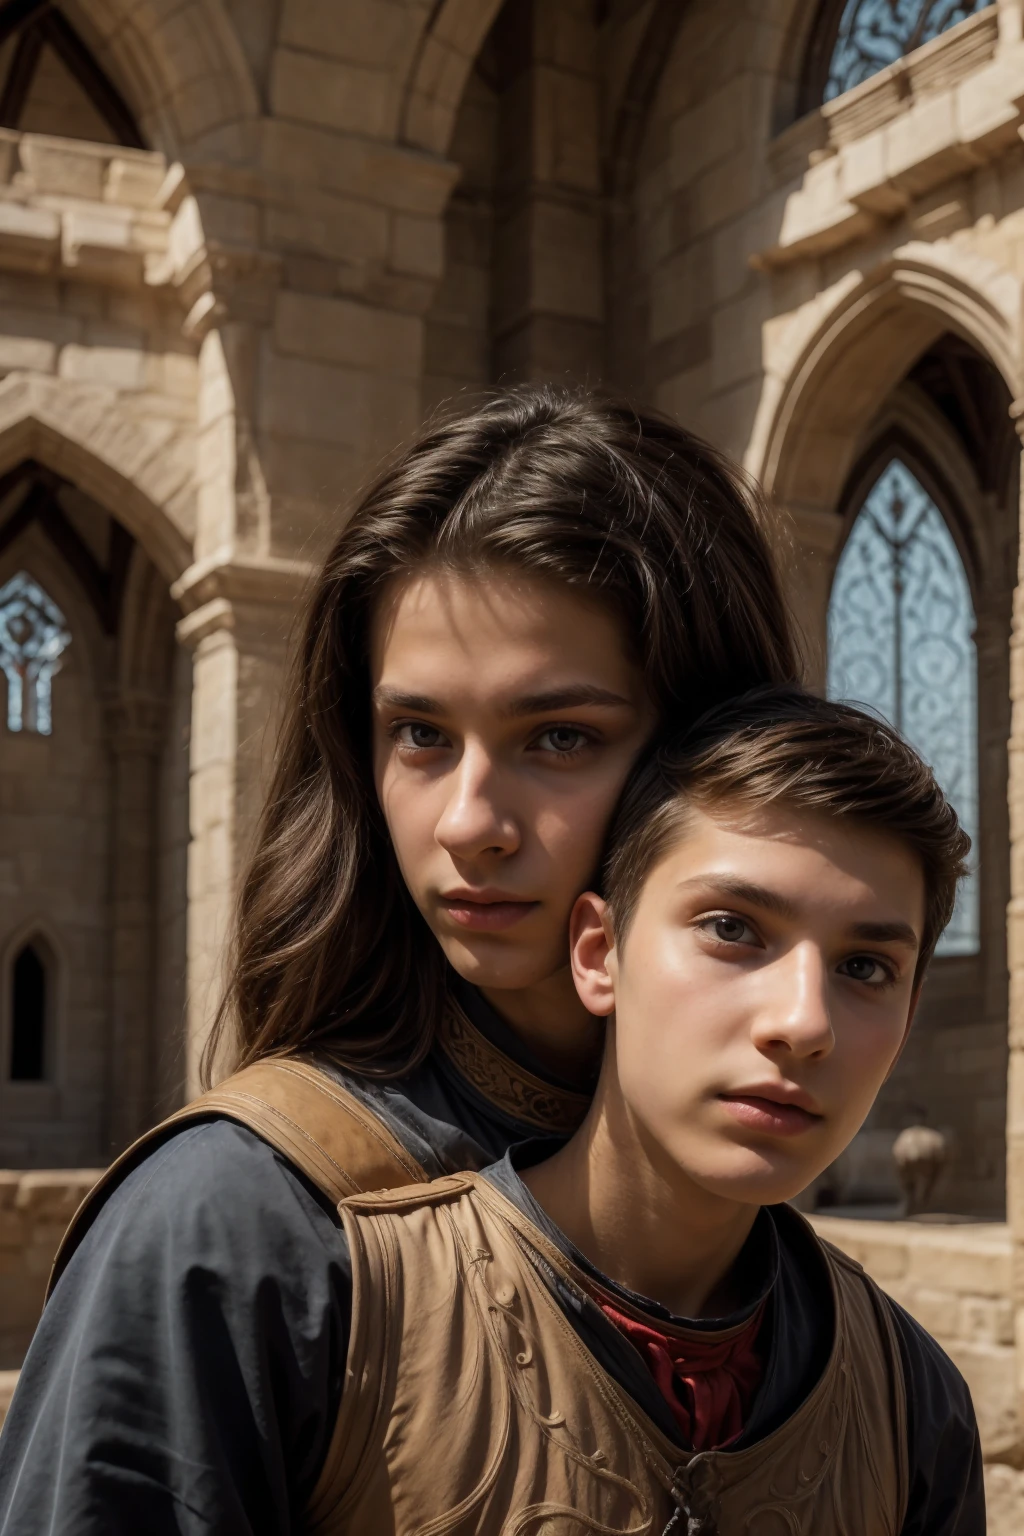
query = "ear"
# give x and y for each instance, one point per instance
(592, 954)
(914, 1000)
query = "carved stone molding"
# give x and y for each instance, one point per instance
(232, 593)
(221, 283)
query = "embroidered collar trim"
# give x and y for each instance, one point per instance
(540, 1105)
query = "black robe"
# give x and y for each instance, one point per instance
(187, 1371)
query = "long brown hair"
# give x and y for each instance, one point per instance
(329, 948)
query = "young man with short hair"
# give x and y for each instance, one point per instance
(635, 1332)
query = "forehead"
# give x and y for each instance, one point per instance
(826, 867)
(500, 628)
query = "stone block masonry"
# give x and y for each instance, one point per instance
(35, 1209)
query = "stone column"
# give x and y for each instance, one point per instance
(806, 544)
(310, 369)
(1015, 955)
(549, 308)
(238, 628)
(135, 724)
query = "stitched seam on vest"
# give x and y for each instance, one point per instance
(322, 1084)
(272, 1111)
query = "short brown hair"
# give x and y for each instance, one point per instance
(784, 746)
(624, 506)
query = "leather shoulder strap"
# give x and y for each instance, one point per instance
(333, 1139)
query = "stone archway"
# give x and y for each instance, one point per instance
(182, 67)
(446, 54)
(103, 792)
(144, 468)
(829, 366)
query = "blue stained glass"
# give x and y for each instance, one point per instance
(901, 643)
(33, 637)
(875, 33)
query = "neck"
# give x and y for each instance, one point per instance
(638, 1217)
(553, 1024)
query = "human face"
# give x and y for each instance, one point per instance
(506, 715)
(761, 995)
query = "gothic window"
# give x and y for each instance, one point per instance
(901, 643)
(28, 1011)
(852, 41)
(33, 637)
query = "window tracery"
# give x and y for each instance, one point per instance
(871, 34)
(901, 643)
(33, 637)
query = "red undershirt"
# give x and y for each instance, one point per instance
(708, 1383)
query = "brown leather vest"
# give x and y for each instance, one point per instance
(451, 1251)
(339, 1144)
(470, 1404)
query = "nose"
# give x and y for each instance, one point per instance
(474, 821)
(796, 1019)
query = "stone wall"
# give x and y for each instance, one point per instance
(35, 1209)
(955, 1280)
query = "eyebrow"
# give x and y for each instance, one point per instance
(530, 704)
(894, 932)
(743, 890)
(886, 933)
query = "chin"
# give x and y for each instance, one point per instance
(505, 967)
(755, 1178)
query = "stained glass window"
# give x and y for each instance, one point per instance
(33, 637)
(874, 33)
(901, 643)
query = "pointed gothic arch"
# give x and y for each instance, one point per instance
(38, 31)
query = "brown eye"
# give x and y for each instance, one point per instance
(732, 929)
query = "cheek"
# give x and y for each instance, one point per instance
(866, 1048)
(570, 828)
(410, 815)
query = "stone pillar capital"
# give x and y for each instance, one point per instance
(253, 599)
(221, 284)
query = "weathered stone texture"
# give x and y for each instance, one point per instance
(35, 1209)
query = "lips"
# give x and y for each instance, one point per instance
(485, 911)
(772, 1111)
